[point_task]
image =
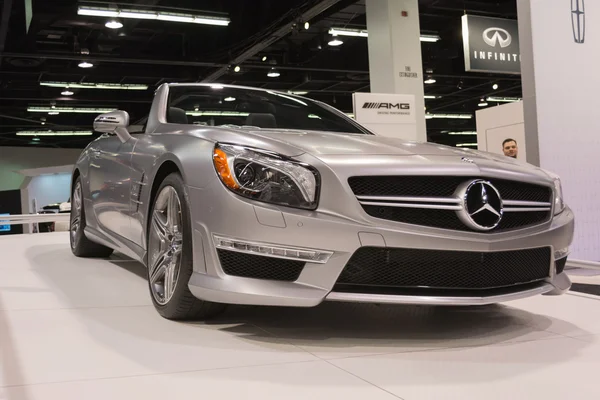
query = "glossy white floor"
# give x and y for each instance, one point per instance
(85, 329)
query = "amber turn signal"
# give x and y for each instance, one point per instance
(220, 161)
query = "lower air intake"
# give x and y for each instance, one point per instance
(259, 267)
(385, 268)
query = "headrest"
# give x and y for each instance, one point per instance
(177, 116)
(261, 120)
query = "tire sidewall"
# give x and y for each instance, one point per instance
(186, 265)
(79, 234)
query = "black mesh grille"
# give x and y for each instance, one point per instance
(442, 186)
(259, 267)
(448, 220)
(560, 265)
(445, 186)
(381, 268)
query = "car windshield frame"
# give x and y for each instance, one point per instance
(228, 106)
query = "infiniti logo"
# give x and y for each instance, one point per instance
(482, 206)
(578, 20)
(493, 36)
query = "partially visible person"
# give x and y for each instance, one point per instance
(510, 148)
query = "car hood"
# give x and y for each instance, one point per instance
(328, 146)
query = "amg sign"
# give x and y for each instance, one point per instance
(491, 45)
(389, 106)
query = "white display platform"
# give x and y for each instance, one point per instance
(75, 328)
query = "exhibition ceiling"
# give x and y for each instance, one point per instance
(45, 45)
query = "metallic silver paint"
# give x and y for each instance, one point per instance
(118, 178)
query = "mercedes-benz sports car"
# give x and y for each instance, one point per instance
(237, 195)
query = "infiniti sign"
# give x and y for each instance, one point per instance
(491, 44)
(493, 36)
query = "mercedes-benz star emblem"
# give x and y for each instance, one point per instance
(578, 20)
(482, 205)
(493, 36)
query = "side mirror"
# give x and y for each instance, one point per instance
(114, 122)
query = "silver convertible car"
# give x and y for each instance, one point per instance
(235, 195)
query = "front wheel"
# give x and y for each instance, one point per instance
(170, 256)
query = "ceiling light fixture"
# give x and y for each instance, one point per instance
(495, 86)
(449, 116)
(464, 133)
(113, 24)
(429, 97)
(152, 15)
(273, 73)
(482, 103)
(54, 133)
(53, 113)
(67, 93)
(430, 81)
(466, 145)
(365, 33)
(237, 68)
(229, 98)
(306, 25)
(335, 41)
(75, 85)
(503, 99)
(264, 58)
(75, 110)
(85, 64)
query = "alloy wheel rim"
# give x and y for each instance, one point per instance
(165, 247)
(76, 213)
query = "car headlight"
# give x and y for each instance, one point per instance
(559, 203)
(268, 177)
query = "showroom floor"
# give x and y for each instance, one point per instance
(85, 329)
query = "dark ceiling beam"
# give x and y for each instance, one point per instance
(280, 33)
(4, 24)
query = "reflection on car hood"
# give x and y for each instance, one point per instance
(328, 143)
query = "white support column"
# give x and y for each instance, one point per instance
(560, 61)
(395, 64)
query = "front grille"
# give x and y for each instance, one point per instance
(380, 269)
(445, 187)
(259, 267)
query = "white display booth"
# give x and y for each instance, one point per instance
(44, 186)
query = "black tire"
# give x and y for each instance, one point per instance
(81, 246)
(182, 305)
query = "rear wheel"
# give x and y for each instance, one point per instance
(170, 256)
(81, 246)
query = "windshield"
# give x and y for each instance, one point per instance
(229, 106)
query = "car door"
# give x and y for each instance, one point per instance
(109, 184)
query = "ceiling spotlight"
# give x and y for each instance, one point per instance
(237, 68)
(306, 25)
(482, 103)
(430, 81)
(85, 64)
(335, 41)
(273, 73)
(264, 58)
(67, 93)
(495, 86)
(53, 113)
(229, 99)
(113, 24)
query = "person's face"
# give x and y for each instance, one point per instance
(511, 149)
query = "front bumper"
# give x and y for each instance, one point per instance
(216, 211)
